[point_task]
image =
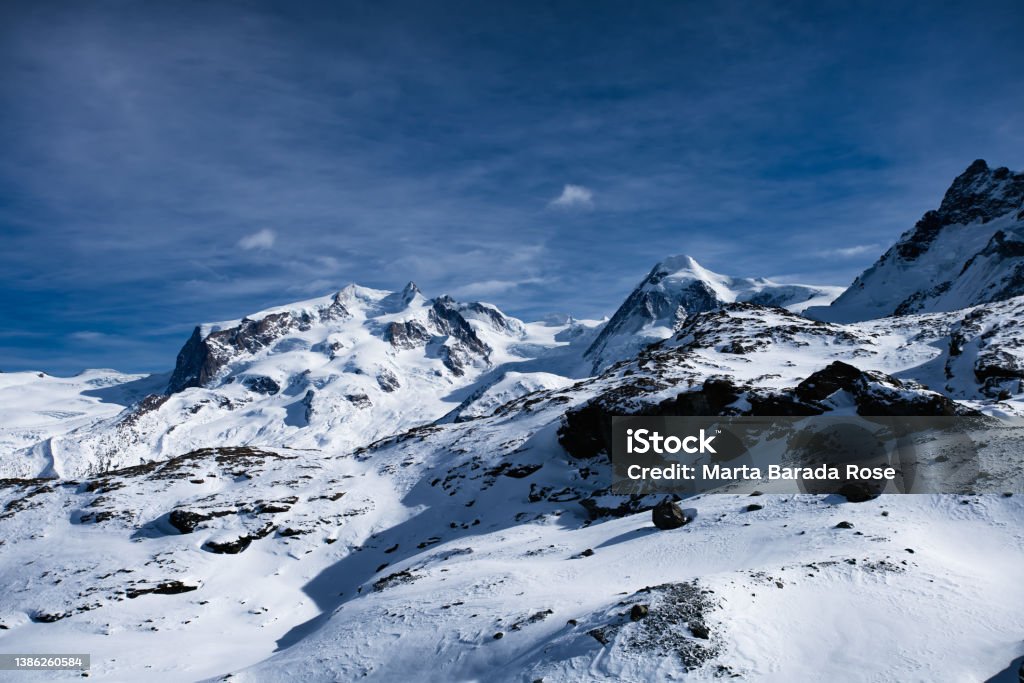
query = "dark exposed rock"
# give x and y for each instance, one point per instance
(699, 630)
(387, 381)
(844, 525)
(396, 579)
(146, 405)
(236, 545)
(521, 471)
(600, 505)
(638, 612)
(822, 384)
(163, 588)
(586, 431)
(406, 335)
(202, 359)
(359, 400)
(667, 515)
(186, 521)
(753, 507)
(49, 617)
(532, 619)
(858, 492)
(463, 342)
(877, 394)
(444, 315)
(261, 385)
(492, 315)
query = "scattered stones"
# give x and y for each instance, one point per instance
(396, 579)
(532, 619)
(163, 588)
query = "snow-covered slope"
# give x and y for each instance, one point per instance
(335, 372)
(490, 548)
(37, 406)
(377, 485)
(678, 287)
(969, 251)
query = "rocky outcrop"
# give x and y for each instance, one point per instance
(203, 358)
(406, 335)
(261, 385)
(586, 431)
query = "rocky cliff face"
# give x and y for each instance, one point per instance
(968, 251)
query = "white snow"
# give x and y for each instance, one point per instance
(394, 533)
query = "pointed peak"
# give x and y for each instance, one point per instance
(409, 293)
(977, 166)
(682, 267)
(677, 263)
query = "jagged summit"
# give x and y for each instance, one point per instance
(679, 286)
(336, 371)
(968, 251)
(405, 319)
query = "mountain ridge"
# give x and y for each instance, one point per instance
(969, 251)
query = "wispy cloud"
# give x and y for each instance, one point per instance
(144, 151)
(494, 287)
(573, 197)
(850, 252)
(262, 239)
(89, 336)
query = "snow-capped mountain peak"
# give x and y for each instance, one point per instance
(678, 287)
(967, 252)
(334, 371)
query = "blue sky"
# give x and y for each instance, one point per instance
(166, 164)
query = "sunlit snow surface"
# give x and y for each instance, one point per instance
(402, 559)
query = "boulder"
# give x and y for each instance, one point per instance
(667, 515)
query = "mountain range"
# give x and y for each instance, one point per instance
(388, 486)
